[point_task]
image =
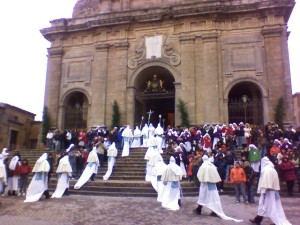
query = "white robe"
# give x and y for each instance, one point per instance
(270, 206)
(111, 162)
(62, 185)
(91, 167)
(210, 198)
(171, 194)
(37, 186)
(86, 175)
(125, 151)
(170, 197)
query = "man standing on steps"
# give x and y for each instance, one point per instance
(112, 153)
(208, 194)
(269, 201)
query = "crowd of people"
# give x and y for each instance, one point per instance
(235, 150)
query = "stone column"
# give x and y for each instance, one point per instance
(188, 75)
(99, 85)
(278, 73)
(117, 81)
(130, 106)
(53, 85)
(178, 94)
(210, 78)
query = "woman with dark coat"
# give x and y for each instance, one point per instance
(221, 168)
(287, 169)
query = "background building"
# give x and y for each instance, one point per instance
(227, 60)
(296, 100)
(18, 130)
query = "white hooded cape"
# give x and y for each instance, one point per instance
(39, 182)
(91, 167)
(208, 193)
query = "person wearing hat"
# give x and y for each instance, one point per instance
(208, 193)
(39, 183)
(127, 136)
(64, 172)
(269, 201)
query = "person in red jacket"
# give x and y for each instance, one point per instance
(288, 174)
(25, 170)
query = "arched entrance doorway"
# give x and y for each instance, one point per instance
(155, 91)
(245, 104)
(76, 111)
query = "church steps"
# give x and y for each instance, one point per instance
(127, 179)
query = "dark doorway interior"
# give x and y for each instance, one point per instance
(13, 139)
(155, 91)
(76, 109)
(245, 104)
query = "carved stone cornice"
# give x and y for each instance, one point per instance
(123, 45)
(102, 47)
(272, 32)
(188, 39)
(211, 37)
(55, 51)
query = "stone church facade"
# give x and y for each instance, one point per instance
(226, 60)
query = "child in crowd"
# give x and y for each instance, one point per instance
(25, 169)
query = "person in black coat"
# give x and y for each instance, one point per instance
(221, 168)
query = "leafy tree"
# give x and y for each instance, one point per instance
(184, 116)
(45, 124)
(279, 112)
(116, 116)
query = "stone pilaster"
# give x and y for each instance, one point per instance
(278, 73)
(210, 78)
(117, 81)
(188, 75)
(99, 79)
(53, 84)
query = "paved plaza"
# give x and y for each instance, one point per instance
(85, 210)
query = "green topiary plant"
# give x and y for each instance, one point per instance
(45, 125)
(279, 112)
(184, 116)
(116, 116)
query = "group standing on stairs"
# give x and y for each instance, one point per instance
(232, 153)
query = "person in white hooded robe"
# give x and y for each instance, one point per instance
(13, 181)
(3, 177)
(172, 191)
(269, 202)
(159, 131)
(137, 134)
(145, 134)
(64, 172)
(208, 192)
(127, 136)
(39, 183)
(157, 172)
(112, 153)
(90, 170)
(151, 164)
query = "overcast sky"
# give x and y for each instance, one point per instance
(24, 50)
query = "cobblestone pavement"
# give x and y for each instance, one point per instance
(85, 210)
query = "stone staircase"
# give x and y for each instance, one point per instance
(127, 178)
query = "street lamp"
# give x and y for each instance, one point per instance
(245, 100)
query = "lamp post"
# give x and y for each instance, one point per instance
(245, 100)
